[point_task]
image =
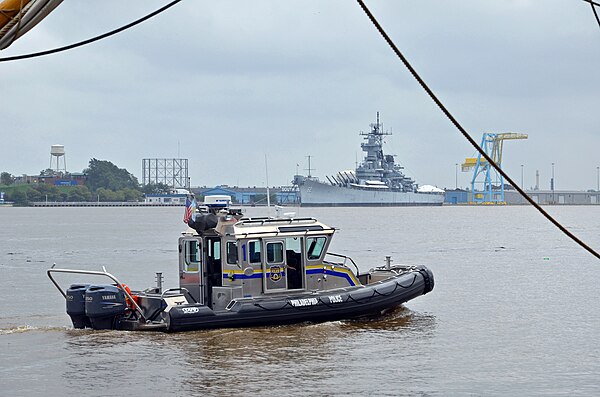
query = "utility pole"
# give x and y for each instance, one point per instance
(456, 176)
(522, 185)
(552, 184)
(267, 176)
(309, 169)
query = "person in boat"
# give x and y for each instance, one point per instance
(293, 267)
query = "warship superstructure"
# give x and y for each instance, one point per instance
(377, 181)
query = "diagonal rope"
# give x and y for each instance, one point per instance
(594, 4)
(93, 39)
(466, 134)
(596, 14)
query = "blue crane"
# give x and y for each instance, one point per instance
(487, 185)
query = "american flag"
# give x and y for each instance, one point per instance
(190, 208)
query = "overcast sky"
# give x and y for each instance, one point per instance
(226, 83)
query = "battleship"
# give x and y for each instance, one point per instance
(377, 181)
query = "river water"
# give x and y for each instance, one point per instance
(515, 309)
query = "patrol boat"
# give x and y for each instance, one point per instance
(237, 271)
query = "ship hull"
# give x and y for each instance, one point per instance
(317, 194)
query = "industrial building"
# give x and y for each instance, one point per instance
(544, 197)
(285, 195)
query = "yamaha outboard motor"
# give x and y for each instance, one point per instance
(103, 304)
(76, 305)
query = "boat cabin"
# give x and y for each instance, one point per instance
(253, 257)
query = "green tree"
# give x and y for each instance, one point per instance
(104, 194)
(49, 191)
(33, 195)
(104, 174)
(132, 195)
(19, 197)
(79, 193)
(6, 179)
(48, 172)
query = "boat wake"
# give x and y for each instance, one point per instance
(20, 329)
(398, 319)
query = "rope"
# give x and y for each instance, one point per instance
(466, 135)
(93, 39)
(274, 310)
(19, 19)
(593, 5)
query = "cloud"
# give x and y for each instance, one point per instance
(225, 83)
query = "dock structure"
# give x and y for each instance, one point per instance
(543, 197)
(102, 204)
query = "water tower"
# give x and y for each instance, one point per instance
(58, 152)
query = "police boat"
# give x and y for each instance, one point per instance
(237, 271)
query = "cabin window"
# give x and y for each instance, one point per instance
(293, 244)
(275, 252)
(214, 249)
(254, 251)
(314, 247)
(193, 255)
(232, 253)
(293, 251)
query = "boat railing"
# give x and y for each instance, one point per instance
(346, 259)
(182, 290)
(103, 273)
(266, 220)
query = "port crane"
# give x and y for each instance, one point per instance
(487, 185)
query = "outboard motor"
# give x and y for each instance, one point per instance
(103, 304)
(76, 305)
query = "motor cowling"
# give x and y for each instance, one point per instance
(103, 304)
(76, 305)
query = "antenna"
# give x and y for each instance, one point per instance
(309, 169)
(267, 175)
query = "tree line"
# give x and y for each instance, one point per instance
(104, 182)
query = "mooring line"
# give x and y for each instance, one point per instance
(466, 134)
(593, 4)
(93, 39)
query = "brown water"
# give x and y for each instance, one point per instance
(515, 310)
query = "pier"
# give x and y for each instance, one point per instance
(102, 204)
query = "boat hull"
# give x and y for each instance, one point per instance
(333, 305)
(318, 194)
(115, 306)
